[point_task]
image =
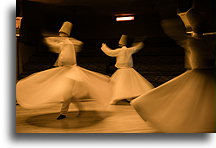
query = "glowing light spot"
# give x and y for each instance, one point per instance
(125, 18)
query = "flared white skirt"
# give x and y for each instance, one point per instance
(53, 86)
(127, 84)
(185, 104)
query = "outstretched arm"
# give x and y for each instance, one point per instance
(136, 47)
(77, 44)
(108, 51)
(54, 43)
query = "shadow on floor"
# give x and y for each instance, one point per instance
(87, 118)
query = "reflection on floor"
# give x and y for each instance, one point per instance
(114, 119)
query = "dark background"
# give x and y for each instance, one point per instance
(94, 19)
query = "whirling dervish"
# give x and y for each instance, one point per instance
(126, 81)
(65, 84)
(62, 45)
(185, 104)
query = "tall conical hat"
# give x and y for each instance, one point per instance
(184, 19)
(66, 28)
(123, 40)
(193, 19)
(196, 21)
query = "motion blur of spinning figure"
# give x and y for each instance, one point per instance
(127, 83)
(62, 45)
(185, 104)
(67, 83)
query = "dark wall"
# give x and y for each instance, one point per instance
(97, 22)
(89, 23)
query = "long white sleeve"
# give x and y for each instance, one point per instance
(75, 41)
(77, 44)
(136, 47)
(54, 43)
(108, 51)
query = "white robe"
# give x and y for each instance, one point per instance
(68, 81)
(127, 83)
(63, 46)
(185, 104)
